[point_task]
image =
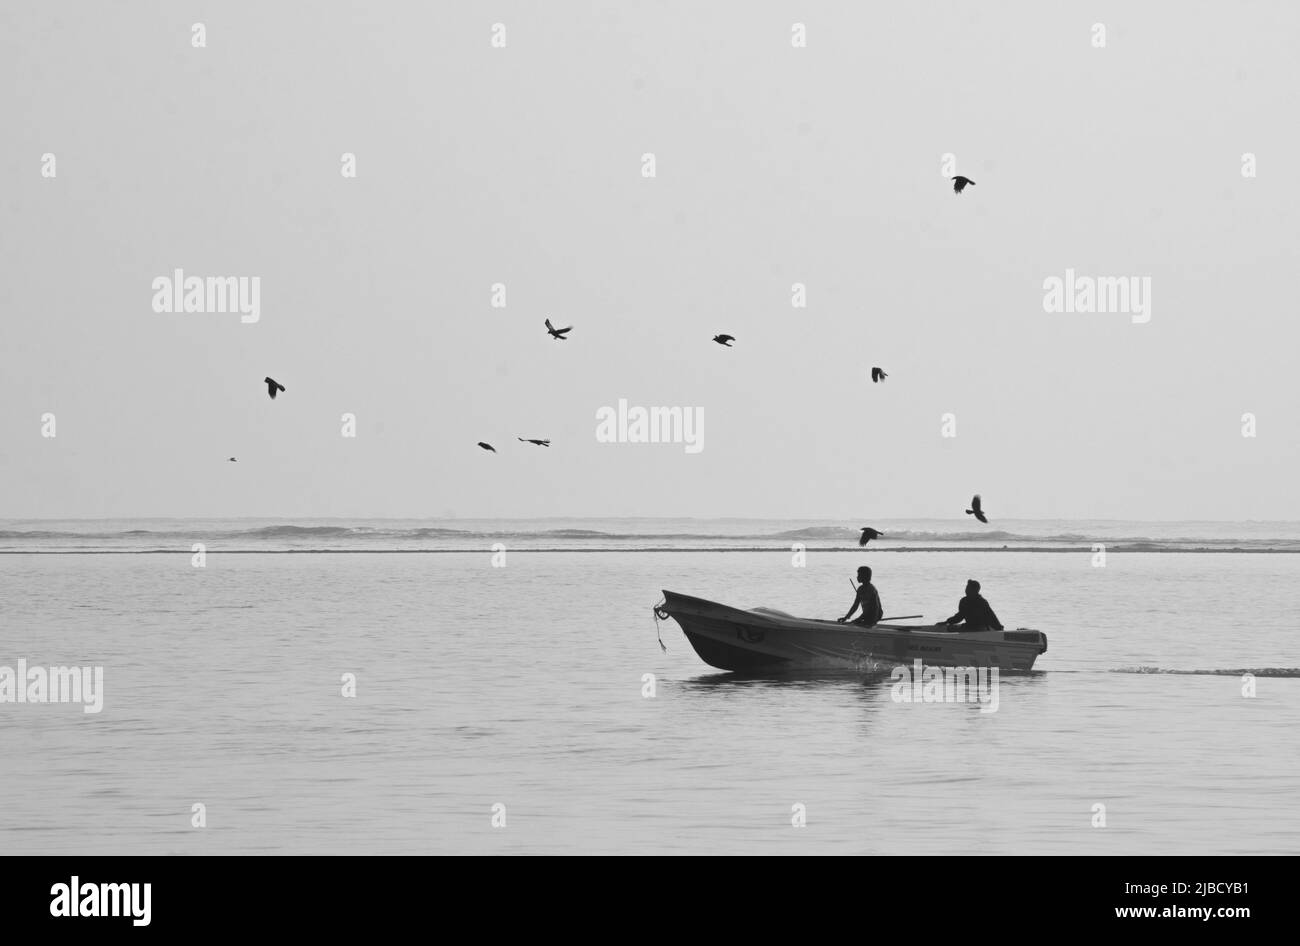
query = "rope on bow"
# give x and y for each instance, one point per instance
(661, 614)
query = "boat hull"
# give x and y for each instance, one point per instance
(762, 640)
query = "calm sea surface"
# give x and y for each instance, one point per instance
(523, 686)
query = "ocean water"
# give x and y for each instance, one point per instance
(522, 686)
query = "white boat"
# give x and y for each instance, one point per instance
(763, 640)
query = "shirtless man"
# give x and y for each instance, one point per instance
(868, 599)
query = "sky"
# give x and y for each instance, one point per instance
(523, 165)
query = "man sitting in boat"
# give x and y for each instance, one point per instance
(975, 611)
(868, 599)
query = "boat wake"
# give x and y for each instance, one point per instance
(1253, 671)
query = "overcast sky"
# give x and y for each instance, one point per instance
(774, 165)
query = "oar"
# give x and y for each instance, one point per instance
(903, 617)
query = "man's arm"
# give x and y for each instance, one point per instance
(856, 601)
(958, 617)
(993, 620)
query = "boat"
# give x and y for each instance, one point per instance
(764, 640)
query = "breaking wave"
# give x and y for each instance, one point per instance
(723, 535)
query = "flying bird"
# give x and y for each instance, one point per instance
(959, 183)
(975, 509)
(233, 460)
(559, 333)
(868, 534)
(273, 387)
(724, 340)
(878, 374)
(540, 443)
(487, 446)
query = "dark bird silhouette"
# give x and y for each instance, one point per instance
(233, 460)
(487, 446)
(878, 374)
(975, 509)
(540, 443)
(959, 183)
(557, 332)
(724, 340)
(273, 387)
(868, 534)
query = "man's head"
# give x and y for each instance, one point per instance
(972, 586)
(864, 573)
